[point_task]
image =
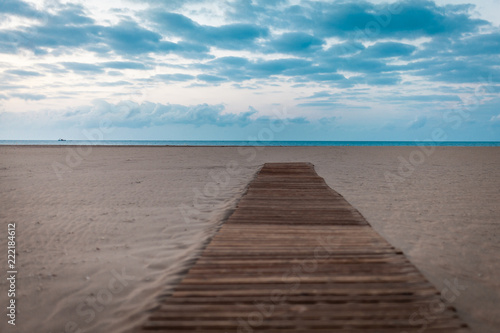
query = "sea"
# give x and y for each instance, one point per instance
(249, 143)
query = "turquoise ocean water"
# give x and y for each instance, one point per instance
(248, 143)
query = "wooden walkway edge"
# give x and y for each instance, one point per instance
(295, 256)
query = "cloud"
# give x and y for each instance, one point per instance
(170, 4)
(326, 77)
(174, 77)
(257, 11)
(241, 69)
(84, 68)
(20, 72)
(345, 48)
(230, 62)
(410, 18)
(374, 79)
(68, 27)
(264, 68)
(54, 68)
(388, 50)
(484, 44)
(71, 27)
(210, 78)
(114, 84)
(123, 65)
(295, 42)
(130, 38)
(128, 114)
(419, 122)
(455, 70)
(452, 30)
(12, 86)
(328, 121)
(235, 36)
(233, 68)
(29, 97)
(319, 94)
(426, 98)
(70, 14)
(321, 104)
(360, 64)
(18, 8)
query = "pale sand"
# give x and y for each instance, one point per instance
(118, 209)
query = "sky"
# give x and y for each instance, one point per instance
(250, 70)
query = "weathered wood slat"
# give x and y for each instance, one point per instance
(296, 257)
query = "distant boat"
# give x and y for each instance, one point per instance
(61, 140)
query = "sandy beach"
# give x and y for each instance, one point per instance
(103, 232)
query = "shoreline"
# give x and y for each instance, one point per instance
(242, 146)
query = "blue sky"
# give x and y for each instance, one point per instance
(250, 69)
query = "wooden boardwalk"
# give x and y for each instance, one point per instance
(295, 256)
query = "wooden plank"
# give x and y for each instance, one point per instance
(295, 256)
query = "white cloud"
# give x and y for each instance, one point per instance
(495, 119)
(129, 114)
